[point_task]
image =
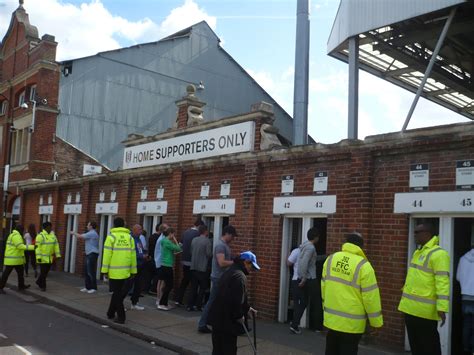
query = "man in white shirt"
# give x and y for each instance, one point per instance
(465, 277)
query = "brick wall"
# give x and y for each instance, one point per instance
(364, 176)
(27, 60)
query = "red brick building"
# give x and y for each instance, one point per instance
(29, 80)
(381, 187)
(235, 171)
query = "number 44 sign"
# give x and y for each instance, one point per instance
(435, 202)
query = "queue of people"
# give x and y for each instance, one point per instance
(350, 293)
(348, 287)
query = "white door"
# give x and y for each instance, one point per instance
(45, 218)
(295, 229)
(106, 223)
(71, 243)
(150, 221)
(215, 224)
(455, 243)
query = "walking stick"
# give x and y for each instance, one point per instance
(248, 337)
(254, 321)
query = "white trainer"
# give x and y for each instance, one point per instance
(84, 289)
(163, 308)
(91, 291)
(137, 307)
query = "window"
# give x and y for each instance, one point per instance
(21, 98)
(32, 92)
(20, 146)
(3, 108)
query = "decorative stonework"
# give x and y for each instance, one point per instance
(190, 109)
(269, 137)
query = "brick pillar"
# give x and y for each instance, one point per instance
(124, 197)
(249, 213)
(175, 196)
(87, 207)
(359, 191)
(190, 100)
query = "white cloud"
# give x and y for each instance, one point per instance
(382, 105)
(90, 27)
(184, 16)
(263, 78)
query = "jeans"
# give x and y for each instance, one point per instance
(30, 258)
(468, 326)
(90, 270)
(423, 335)
(19, 272)
(135, 285)
(338, 343)
(205, 313)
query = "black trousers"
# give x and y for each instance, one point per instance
(338, 343)
(184, 283)
(44, 270)
(223, 343)
(423, 335)
(149, 277)
(19, 272)
(119, 289)
(309, 294)
(199, 285)
(166, 274)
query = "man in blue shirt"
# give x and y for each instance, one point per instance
(142, 256)
(92, 253)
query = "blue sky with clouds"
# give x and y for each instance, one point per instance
(259, 34)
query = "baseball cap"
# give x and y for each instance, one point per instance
(229, 230)
(248, 255)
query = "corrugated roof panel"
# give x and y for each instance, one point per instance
(355, 17)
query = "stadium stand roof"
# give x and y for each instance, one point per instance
(397, 38)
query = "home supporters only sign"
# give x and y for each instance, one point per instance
(232, 139)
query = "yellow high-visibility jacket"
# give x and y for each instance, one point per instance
(426, 289)
(119, 259)
(15, 249)
(350, 292)
(46, 246)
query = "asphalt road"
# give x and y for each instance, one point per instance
(34, 328)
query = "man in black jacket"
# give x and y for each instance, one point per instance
(228, 311)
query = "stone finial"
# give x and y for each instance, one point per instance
(22, 2)
(190, 109)
(190, 91)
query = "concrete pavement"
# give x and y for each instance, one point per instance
(177, 329)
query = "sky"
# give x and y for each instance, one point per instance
(258, 34)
